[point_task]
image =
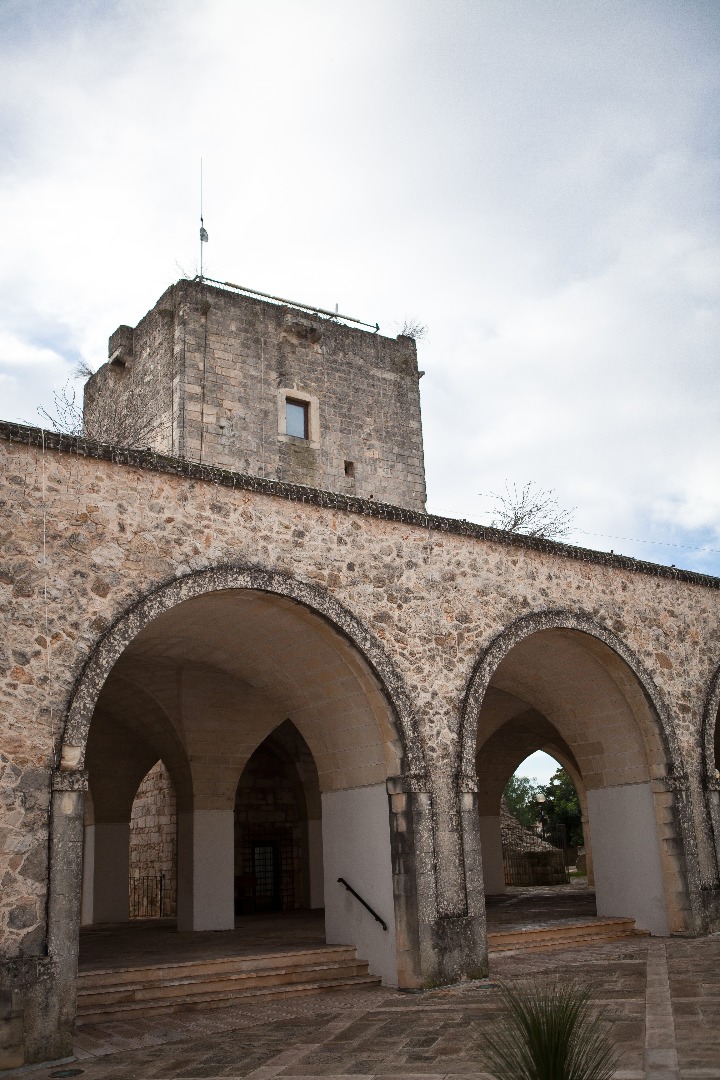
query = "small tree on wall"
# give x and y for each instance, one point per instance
(531, 511)
(128, 420)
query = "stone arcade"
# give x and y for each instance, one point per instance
(265, 580)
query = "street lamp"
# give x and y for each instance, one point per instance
(540, 800)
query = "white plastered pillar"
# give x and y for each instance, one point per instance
(206, 870)
(356, 846)
(315, 861)
(111, 872)
(628, 871)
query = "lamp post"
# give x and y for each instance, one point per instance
(540, 800)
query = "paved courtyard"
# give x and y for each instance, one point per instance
(663, 996)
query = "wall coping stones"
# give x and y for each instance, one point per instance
(151, 461)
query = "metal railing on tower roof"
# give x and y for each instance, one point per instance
(335, 316)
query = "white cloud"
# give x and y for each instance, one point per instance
(536, 180)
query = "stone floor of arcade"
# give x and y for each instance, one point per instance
(663, 998)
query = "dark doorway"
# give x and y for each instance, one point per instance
(271, 832)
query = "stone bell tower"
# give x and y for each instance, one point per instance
(258, 385)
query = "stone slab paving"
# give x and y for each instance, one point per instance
(663, 998)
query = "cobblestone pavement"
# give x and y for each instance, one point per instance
(662, 995)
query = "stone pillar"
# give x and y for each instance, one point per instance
(412, 877)
(678, 853)
(206, 870)
(449, 867)
(111, 888)
(435, 947)
(713, 897)
(49, 1020)
(589, 868)
(88, 876)
(492, 854)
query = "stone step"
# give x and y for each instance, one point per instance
(214, 982)
(591, 932)
(101, 1014)
(112, 977)
(184, 984)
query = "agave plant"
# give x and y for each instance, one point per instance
(550, 1031)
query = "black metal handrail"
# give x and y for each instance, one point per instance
(342, 881)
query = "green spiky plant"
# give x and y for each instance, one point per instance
(550, 1031)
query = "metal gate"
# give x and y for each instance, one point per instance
(146, 897)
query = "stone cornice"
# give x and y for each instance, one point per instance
(151, 461)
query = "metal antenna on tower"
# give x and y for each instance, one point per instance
(203, 230)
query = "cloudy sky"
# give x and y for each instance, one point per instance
(536, 181)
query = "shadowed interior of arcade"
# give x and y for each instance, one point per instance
(237, 762)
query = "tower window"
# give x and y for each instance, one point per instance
(350, 468)
(296, 418)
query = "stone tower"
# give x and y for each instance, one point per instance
(261, 386)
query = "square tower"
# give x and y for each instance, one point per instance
(249, 383)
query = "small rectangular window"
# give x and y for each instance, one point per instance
(350, 468)
(296, 418)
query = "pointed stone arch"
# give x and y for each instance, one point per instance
(499, 757)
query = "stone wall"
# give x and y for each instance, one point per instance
(433, 593)
(25, 802)
(216, 366)
(98, 542)
(153, 843)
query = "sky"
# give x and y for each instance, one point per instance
(539, 767)
(535, 181)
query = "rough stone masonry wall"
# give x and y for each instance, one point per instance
(215, 360)
(153, 832)
(87, 531)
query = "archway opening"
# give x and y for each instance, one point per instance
(153, 847)
(278, 828)
(541, 825)
(264, 716)
(567, 693)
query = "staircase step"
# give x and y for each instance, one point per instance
(100, 1014)
(185, 984)
(217, 982)
(587, 933)
(113, 977)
